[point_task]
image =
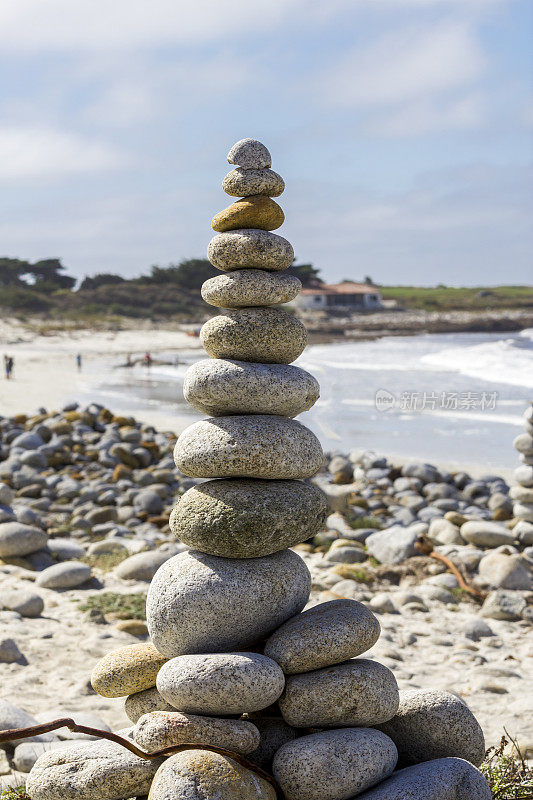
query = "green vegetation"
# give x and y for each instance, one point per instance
(364, 522)
(508, 775)
(451, 298)
(122, 606)
(104, 561)
(15, 794)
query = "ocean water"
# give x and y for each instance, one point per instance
(453, 399)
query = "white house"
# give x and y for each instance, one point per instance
(349, 296)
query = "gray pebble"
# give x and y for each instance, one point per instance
(442, 779)
(274, 733)
(145, 702)
(243, 182)
(66, 575)
(24, 602)
(250, 287)
(169, 728)
(17, 539)
(250, 248)
(9, 651)
(250, 154)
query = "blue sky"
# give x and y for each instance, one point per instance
(403, 129)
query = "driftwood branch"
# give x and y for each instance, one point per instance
(48, 727)
(424, 546)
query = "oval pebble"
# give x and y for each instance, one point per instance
(250, 154)
(140, 703)
(217, 386)
(432, 723)
(334, 765)
(202, 775)
(66, 575)
(240, 518)
(223, 604)
(127, 670)
(17, 539)
(167, 729)
(267, 335)
(442, 779)
(250, 287)
(250, 248)
(242, 182)
(357, 692)
(325, 634)
(220, 683)
(258, 446)
(250, 212)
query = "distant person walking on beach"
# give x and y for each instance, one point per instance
(78, 361)
(9, 364)
(147, 360)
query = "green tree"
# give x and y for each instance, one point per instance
(100, 279)
(189, 273)
(308, 274)
(48, 275)
(12, 271)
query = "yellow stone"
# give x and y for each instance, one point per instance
(128, 670)
(134, 626)
(250, 212)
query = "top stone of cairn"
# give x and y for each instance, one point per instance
(250, 154)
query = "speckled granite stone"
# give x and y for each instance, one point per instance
(98, 770)
(17, 539)
(357, 692)
(246, 182)
(274, 733)
(250, 248)
(250, 154)
(140, 703)
(202, 775)
(223, 604)
(218, 386)
(432, 723)
(240, 518)
(443, 779)
(166, 729)
(250, 212)
(250, 287)
(334, 765)
(267, 335)
(221, 683)
(127, 670)
(258, 446)
(325, 634)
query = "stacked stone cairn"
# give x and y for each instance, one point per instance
(523, 493)
(234, 661)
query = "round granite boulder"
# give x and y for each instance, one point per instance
(203, 775)
(242, 182)
(240, 518)
(334, 765)
(17, 539)
(267, 335)
(250, 248)
(355, 693)
(127, 670)
(145, 702)
(220, 683)
(167, 729)
(223, 604)
(218, 387)
(250, 212)
(259, 446)
(250, 154)
(326, 634)
(432, 723)
(250, 287)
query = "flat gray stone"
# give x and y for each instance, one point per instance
(326, 634)
(223, 604)
(202, 775)
(64, 549)
(258, 446)
(432, 723)
(392, 545)
(265, 335)
(484, 533)
(250, 248)
(442, 779)
(169, 728)
(524, 444)
(250, 287)
(240, 518)
(501, 571)
(9, 651)
(356, 693)
(13, 717)
(220, 683)
(250, 154)
(523, 511)
(142, 566)
(27, 753)
(334, 765)
(241, 182)
(145, 702)
(502, 604)
(217, 387)
(24, 602)
(17, 539)
(99, 770)
(66, 575)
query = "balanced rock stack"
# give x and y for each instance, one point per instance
(235, 662)
(523, 493)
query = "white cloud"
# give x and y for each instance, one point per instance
(411, 62)
(420, 117)
(31, 152)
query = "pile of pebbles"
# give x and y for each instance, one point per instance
(523, 493)
(234, 660)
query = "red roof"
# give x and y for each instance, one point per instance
(341, 288)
